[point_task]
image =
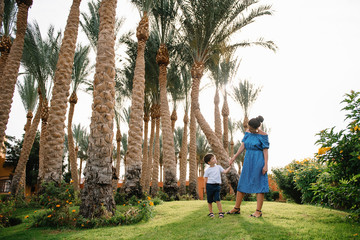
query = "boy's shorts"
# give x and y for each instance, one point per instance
(213, 192)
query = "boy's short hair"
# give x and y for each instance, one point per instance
(208, 157)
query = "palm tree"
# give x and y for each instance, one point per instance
(8, 20)
(81, 70)
(90, 24)
(97, 195)
(58, 106)
(156, 159)
(232, 128)
(29, 96)
(118, 145)
(208, 26)
(83, 143)
(202, 148)
(9, 77)
(133, 157)
(164, 12)
(176, 90)
(144, 167)
(246, 94)
(186, 78)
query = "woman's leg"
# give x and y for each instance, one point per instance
(239, 198)
(259, 204)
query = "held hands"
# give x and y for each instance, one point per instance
(231, 161)
(265, 169)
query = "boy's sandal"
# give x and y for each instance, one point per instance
(211, 215)
(221, 214)
(252, 215)
(237, 211)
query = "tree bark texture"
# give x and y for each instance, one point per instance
(217, 117)
(18, 179)
(9, 77)
(43, 135)
(173, 119)
(183, 156)
(155, 173)
(134, 154)
(60, 93)
(170, 181)
(151, 148)
(197, 71)
(144, 168)
(97, 195)
(71, 145)
(225, 114)
(118, 158)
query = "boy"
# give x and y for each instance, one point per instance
(213, 180)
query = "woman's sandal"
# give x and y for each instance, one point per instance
(237, 211)
(211, 215)
(252, 215)
(221, 214)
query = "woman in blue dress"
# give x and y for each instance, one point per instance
(253, 178)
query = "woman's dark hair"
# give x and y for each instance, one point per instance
(208, 157)
(256, 122)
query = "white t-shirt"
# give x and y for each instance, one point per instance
(214, 174)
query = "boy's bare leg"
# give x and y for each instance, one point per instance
(218, 203)
(210, 207)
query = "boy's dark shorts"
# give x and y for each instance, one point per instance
(213, 192)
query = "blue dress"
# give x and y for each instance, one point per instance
(251, 179)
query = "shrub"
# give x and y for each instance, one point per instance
(53, 194)
(7, 208)
(340, 151)
(284, 177)
(229, 197)
(307, 174)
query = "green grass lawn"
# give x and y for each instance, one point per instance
(188, 220)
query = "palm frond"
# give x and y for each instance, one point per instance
(27, 90)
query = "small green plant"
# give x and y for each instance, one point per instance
(7, 208)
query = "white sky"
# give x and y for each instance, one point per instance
(303, 82)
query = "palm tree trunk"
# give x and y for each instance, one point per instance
(58, 106)
(144, 168)
(218, 130)
(3, 59)
(97, 195)
(9, 77)
(231, 147)
(80, 170)
(155, 174)
(173, 119)
(27, 126)
(225, 114)
(170, 181)
(183, 156)
(218, 149)
(133, 167)
(221, 154)
(118, 158)
(71, 145)
(196, 74)
(44, 132)
(18, 179)
(151, 147)
(29, 117)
